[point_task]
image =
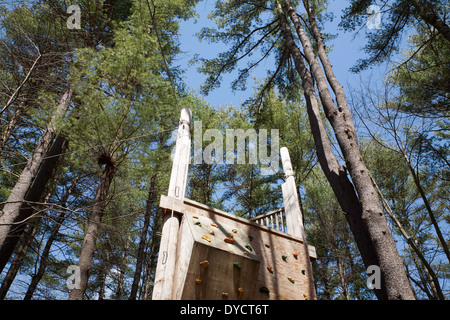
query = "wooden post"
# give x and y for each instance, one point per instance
(178, 178)
(165, 269)
(294, 221)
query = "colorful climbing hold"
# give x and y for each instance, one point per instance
(206, 238)
(229, 240)
(264, 290)
(249, 247)
(250, 238)
(303, 272)
(305, 296)
(267, 245)
(284, 257)
(237, 265)
(214, 225)
(211, 232)
(240, 293)
(234, 230)
(291, 279)
(195, 217)
(198, 281)
(198, 223)
(225, 295)
(205, 263)
(295, 254)
(231, 235)
(270, 269)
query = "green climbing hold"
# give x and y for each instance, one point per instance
(250, 238)
(284, 257)
(249, 247)
(236, 265)
(264, 290)
(198, 224)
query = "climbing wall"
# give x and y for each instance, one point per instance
(215, 261)
(221, 256)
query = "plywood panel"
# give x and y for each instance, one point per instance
(229, 270)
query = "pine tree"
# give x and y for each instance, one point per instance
(351, 183)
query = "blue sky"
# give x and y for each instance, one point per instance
(347, 49)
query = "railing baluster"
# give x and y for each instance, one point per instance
(268, 220)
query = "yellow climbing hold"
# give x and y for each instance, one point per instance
(195, 217)
(291, 280)
(305, 296)
(211, 232)
(234, 230)
(206, 238)
(240, 292)
(205, 263)
(198, 281)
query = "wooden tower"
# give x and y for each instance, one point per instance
(209, 254)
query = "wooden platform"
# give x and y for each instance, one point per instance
(215, 255)
(277, 261)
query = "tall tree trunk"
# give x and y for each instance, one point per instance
(10, 126)
(426, 203)
(90, 239)
(103, 274)
(143, 241)
(122, 269)
(22, 248)
(363, 209)
(152, 254)
(51, 238)
(341, 273)
(413, 244)
(12, 218)
(429, 16)
(35, 194)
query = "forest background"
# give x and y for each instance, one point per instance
(89, 116)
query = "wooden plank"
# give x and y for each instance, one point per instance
(220, 275)
(267, 214)
(220, 280)
(201, 225)
(188, 205)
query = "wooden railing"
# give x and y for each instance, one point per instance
(274, 219)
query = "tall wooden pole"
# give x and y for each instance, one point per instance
(294, 216)
(294, 221)
(165, 269)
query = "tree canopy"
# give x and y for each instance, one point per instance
(88, 122)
